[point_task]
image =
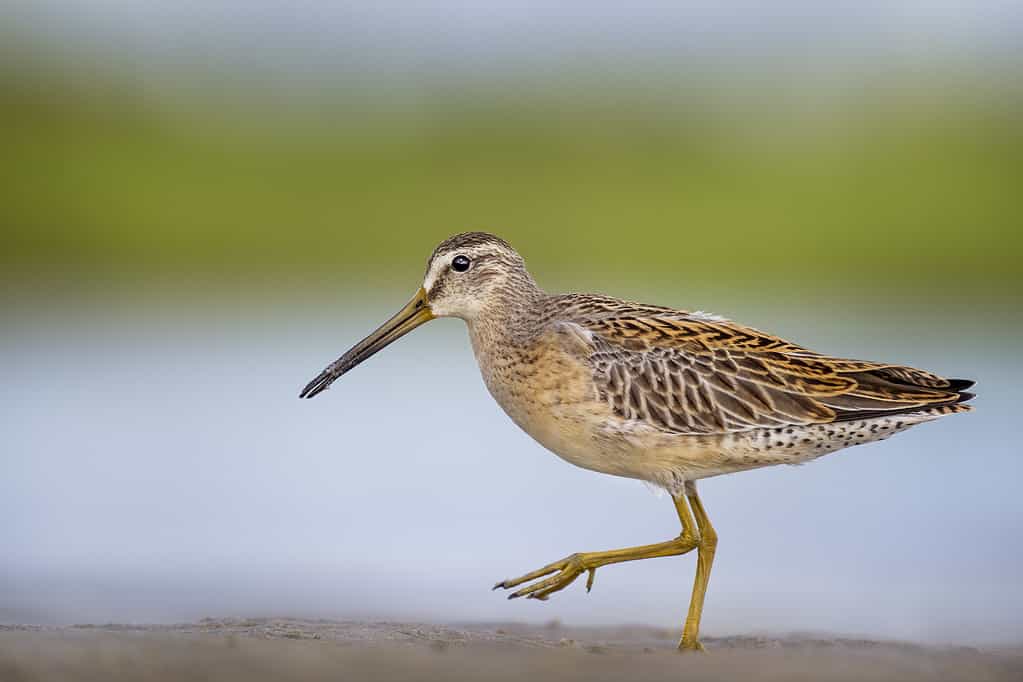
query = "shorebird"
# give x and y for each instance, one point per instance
(652, 393)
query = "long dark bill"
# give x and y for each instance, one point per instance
(416, 312)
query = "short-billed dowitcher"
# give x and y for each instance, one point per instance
(662, 395)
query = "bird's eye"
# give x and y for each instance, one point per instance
(460, 264)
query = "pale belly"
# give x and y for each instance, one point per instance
(587, 434)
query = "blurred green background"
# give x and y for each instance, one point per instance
(893, 179)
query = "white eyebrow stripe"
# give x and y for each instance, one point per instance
(442, 260)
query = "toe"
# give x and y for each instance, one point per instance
(539, 573)
(538, 588)
(691, 646)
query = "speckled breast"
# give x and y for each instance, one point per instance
(549, 393)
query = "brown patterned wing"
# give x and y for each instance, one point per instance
(691, 375)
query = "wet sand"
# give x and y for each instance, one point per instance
(295, 649)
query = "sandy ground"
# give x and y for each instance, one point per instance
(294, 649)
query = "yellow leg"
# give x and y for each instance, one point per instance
(707, 544)
(571, 567)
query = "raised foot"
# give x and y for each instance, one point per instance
(566, 571)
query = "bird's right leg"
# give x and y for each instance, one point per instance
(571, 567)
(708, 542)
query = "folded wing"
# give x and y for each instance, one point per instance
(698, 375)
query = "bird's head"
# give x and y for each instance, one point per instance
(471, 272)
(466, 276)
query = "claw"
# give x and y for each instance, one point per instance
(589, 579)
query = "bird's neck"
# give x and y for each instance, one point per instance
(512, 315)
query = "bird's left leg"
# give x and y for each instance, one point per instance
(571, 567)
